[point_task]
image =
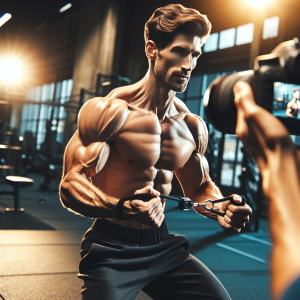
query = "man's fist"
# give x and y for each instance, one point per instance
(150, 213)
(235, 216)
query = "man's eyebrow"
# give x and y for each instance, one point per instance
(187, 49)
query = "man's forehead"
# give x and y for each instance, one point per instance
(187, 40)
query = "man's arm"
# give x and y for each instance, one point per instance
(288, 110)
(197, 185)
(86, 154)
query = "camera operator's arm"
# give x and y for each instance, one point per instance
(268, 141)
(197, 185)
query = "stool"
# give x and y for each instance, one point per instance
(16, 182)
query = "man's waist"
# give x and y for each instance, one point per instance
(129, 235)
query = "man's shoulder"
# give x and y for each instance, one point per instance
(195, 124)
(98, 105)
(101, 118)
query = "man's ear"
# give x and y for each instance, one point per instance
(151, 50)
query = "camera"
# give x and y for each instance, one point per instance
(275, 82)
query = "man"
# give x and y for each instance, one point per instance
(293, 106)
(131, 142)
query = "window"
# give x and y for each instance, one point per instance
(227, 38)
(35, 116)
(194, 86)
(211, 43)
(244, 34)
(193, 94)
(271, 26)
(232, 161)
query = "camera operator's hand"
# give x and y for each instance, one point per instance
(236, 216)
(263, 135)
(268, 141)
(150, 213)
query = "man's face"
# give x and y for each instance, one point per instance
(175, 62)
(296, 94)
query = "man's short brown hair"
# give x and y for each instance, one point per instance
(169, 20)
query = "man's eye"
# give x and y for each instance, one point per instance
(180, 52)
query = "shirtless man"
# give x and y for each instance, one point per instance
(293, 106)
(131, 142)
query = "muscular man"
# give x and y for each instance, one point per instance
(131, 142)
(293, 106)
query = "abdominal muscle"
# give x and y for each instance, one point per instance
(120, 181)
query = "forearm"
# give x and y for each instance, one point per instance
(81, 196)
(207, 191)
(281, 188)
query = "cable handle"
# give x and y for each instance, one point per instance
(147, 197)
(186, 203)
(231, 200)
(221, 200)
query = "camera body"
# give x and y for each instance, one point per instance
(277, 72)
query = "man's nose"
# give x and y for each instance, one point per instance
(187, 63)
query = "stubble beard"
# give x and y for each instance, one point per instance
(161, 73)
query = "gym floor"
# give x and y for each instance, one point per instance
(39, 249)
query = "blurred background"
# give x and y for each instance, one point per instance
(55, 55)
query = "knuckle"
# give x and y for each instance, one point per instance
(227, 219)
(229, 213)
(227, 226)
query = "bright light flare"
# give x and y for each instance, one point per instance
(258, 3)
(64, 8)
(10, 70)
(4, 18)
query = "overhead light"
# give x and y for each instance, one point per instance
(64, 8)
(258, 3)
(4, 18)
(10, 70)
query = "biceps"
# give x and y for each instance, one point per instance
(196, 171)
(87, 160)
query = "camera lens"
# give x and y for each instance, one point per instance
(219, 101)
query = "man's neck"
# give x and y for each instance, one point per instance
(155, 95)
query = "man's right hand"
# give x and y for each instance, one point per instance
(150, 213)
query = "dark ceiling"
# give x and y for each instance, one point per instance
(29, 15)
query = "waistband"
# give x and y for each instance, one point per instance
(131, 235)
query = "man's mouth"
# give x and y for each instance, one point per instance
(182, 76)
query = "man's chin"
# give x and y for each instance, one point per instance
(179, 89)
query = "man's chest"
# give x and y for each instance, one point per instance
(145, 142)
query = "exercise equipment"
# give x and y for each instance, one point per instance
(184, 203)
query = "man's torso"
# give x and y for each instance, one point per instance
(145, 152)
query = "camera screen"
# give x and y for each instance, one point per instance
(286, 102)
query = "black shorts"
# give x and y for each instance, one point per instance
(117, 262)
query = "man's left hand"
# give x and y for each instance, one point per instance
(236, 216)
